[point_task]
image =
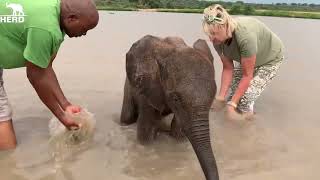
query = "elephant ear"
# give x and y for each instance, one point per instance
(164, 62)
(202, 46)
(130, 66)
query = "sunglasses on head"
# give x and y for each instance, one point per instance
(210, 19)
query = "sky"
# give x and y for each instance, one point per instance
(279, 1)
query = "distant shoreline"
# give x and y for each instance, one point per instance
(258, 12)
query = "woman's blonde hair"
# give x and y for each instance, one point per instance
(215, 16)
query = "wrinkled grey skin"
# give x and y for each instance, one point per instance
(166, 76)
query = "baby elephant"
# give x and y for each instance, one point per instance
(166, 76)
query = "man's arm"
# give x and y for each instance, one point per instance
(247, 64)
(47, 87)
(226, 77)
(63, 102)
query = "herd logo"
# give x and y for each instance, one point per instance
(17, 15)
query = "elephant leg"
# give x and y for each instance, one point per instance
(177, 130)
(147, 128)
(129, 112)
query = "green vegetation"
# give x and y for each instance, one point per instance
(302, 10)
(296, 14)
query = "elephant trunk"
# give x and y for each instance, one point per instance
(197, 131)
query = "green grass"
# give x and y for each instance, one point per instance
(295, 14)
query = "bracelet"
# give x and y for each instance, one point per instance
(230, 103)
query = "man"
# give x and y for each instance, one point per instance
(31, 33)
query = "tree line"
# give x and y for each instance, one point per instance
(238, 7)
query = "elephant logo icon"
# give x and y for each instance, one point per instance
(17, 16)
(17, 9)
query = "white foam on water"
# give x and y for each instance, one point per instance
(66, 142)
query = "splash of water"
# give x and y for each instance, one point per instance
(66, 142)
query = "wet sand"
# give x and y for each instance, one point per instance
(282, 143)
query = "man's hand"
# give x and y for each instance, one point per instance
(68, 122)
(73, 109)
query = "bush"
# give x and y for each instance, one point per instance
(154, 4)
(235, 9)
(248, 10)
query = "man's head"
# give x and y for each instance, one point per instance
(78, 16)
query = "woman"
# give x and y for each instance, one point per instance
(257, 52)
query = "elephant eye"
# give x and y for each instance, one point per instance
(139, 81)
(175, 97)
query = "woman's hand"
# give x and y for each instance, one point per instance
(232, 114)
(218, 104)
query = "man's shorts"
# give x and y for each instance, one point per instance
(5, 107)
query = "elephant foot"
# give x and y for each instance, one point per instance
(146, 129)
(165, 123)
(129, 113)
(126, 123)
(146, 135)
(177, 131)
(128, 117)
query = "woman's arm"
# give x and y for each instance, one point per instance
(226, 76)
(247, 65)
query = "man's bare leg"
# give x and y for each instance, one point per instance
(7, 136)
